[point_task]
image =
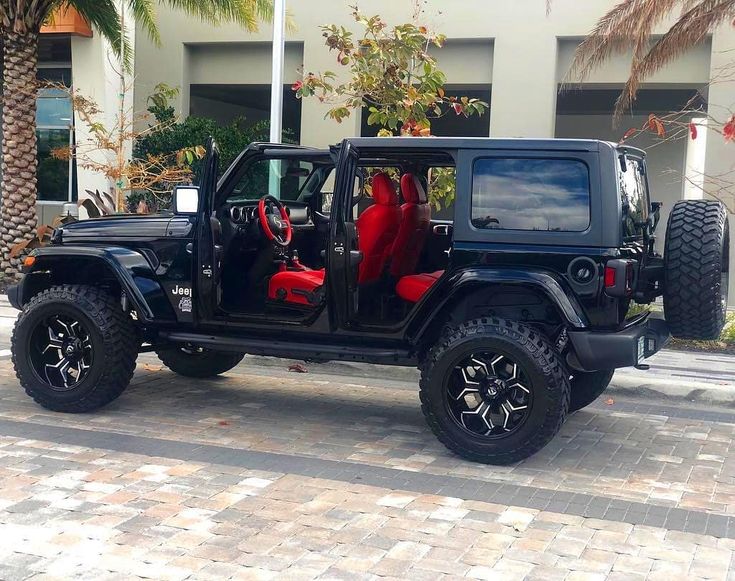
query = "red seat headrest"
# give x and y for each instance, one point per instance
(384, 193)
(413, 191)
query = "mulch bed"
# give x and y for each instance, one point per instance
(702, 346)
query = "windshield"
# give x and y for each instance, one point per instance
(283, 178)
(633, 195)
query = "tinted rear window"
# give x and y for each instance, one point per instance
(531, 194)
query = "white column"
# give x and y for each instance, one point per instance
(279, 49)
(695, 161)
(524, 86)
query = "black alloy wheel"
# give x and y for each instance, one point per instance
(74, 348)
(488, 395)
(60, 351)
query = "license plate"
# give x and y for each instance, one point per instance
(641, 349)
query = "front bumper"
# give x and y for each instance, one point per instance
(594, 350)
(14, 296)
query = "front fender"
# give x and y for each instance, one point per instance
(89, 264)
(462, 283)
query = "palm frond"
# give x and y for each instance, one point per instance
(23, 17)
(629, 26)
(644, 22)
(104, 15)
(246, 13)
(607, 38)
(144, 13)
(691, 29)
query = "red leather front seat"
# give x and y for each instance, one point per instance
(411, 288)
(414, 229)
(377, 228)
(302, 287)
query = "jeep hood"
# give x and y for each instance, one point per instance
(126, 226)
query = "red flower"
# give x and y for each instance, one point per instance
(458, 109)
(297, 86)
(729, 129)
(693, 130)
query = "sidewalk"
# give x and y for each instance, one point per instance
(7, 313)
(7, 320)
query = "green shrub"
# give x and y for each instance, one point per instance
(728, 333)
(191, 132)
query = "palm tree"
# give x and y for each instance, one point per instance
(630, 26)
(20, 22)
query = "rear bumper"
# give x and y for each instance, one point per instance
(595, 351)
(14, 296)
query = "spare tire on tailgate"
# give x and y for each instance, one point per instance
(696, 269)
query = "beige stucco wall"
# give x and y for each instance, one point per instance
(521, 49)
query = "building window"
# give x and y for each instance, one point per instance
(531, 194)
(246, 104)
(55, 122)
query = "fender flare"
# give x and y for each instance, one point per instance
(129, 267)
(463, 282)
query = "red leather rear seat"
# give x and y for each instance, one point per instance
(414, 286)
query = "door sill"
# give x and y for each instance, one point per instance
(295, 350)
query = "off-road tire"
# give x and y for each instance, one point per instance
(200, 365)
(587, 387)
(548, 378)
(113, 338)
(696, 267)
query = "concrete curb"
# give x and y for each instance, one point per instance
(680, 390)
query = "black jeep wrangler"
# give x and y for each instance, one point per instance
(517, 297)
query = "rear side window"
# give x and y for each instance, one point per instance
(548, 195)
(633, 196)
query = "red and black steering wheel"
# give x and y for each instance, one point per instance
(276, 227)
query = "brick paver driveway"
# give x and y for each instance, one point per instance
(265, 473)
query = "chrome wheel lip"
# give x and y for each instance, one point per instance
(498, 388)
(60, 351)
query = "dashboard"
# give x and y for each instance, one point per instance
(244, 214)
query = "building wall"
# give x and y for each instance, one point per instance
(523, 52)
(95, 75)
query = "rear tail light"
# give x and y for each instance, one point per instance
(620, 278)
(609, 277)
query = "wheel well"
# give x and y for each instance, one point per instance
(513, 302)
(71, 270)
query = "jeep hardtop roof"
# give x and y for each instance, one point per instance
(517, 143)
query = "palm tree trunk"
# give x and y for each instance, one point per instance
(20, 148)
